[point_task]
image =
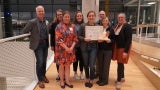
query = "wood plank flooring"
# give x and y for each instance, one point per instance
(135, 80)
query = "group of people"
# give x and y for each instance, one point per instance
(68, 41)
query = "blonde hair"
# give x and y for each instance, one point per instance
(105, 19)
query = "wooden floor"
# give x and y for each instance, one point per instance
(135, 80)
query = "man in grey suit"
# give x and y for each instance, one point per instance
(38, 28)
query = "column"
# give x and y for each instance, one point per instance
(107, 7)
(1, 31)
(3, 83)
(7, 18)
(88, 5)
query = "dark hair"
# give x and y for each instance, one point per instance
(59, 10)
(55, 18)
(91, 12)
(75, 18)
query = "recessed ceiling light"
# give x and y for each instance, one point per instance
(150, 3)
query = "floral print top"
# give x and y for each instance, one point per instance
(64, 34)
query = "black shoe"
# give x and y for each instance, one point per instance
(103, 83)
(62, 86)
(58, 78)
(70, 86)
(98, 81)
(90, 85)
(41, 84)
(87, 84)
(45, 79)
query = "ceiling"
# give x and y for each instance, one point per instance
(129, 3)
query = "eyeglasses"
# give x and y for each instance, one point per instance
(59, 14)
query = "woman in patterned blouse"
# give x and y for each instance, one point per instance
(66, 39)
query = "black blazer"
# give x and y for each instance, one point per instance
(124, 39)
(52, 33)
(107, 46)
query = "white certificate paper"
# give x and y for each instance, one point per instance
(93, 32)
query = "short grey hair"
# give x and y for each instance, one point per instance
(39, 6)
(122, 14)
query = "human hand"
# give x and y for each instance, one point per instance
(100, 40)
(125, 55)
(67, 49)
(108, 40)
(87, 39)
(52, 48)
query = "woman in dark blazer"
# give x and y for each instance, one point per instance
(105, 52)
(123, 40)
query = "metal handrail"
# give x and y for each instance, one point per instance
(145, 25)
(14, 37)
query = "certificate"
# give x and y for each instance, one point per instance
(93, 32)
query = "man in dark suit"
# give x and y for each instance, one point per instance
(38, 28)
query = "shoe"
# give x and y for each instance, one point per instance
(45, 79)
(90, 85)
(41, 84)
(118, 85)
(103, 83)
(58, 78)
(122, 80)
(86, 84)
(76, 76)
(98, 81)
(70, 86)
(81, 76)
(62, 86)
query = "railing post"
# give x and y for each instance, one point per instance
(146, 32)
(3, 83)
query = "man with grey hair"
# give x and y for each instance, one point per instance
(38, 28)
(102, 14)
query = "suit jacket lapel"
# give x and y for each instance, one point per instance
(37, 23)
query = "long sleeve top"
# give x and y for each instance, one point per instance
(124, 39)
(104, 45)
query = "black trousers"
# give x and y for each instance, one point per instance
(120, 71)
(79, 59)
(104, 59)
